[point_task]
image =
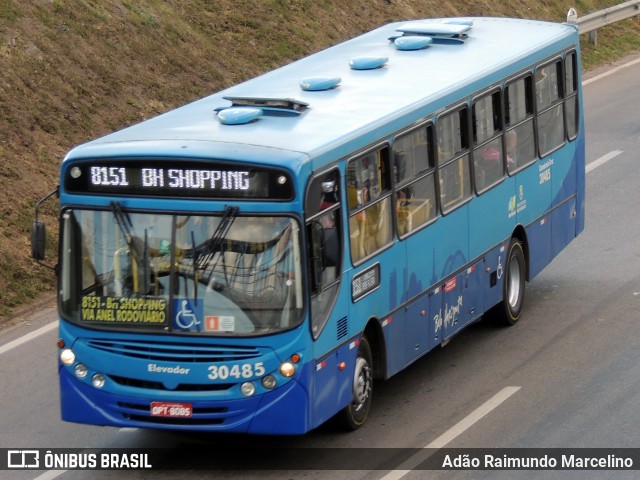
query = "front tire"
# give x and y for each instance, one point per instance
(355, 414)
(509, 310)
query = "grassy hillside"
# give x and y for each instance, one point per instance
(73, 70)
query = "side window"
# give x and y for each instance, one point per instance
(324, 245)
(519, 139)
(369, 202)
(414, 174)
(488, 155)
(549, 94)
(453, 159)
(572, 108)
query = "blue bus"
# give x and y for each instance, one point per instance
(254, 261)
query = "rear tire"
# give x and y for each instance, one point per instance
(355, 414)
(509, 310)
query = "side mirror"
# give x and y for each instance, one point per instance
(39, 235)
(38, 240)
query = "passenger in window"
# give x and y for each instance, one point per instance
(488, 162)
(329, 198)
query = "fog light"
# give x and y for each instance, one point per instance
(97, 380)
(287, 369)
(67, 357)
(269, 382)
(248, 389)
(80, 370)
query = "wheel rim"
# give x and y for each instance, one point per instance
(361, 383)
(515, 281)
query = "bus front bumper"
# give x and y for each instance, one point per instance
(284, 410)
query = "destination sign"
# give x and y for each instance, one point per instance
(128, 311)
(178, 178)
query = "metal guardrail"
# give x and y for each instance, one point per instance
(591, 22)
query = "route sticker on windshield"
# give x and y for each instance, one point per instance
(221, 323)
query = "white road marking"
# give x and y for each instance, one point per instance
(448, 436)
(28, 337)
(602, 160)
(610, 72)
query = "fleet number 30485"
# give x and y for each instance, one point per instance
(237, 371)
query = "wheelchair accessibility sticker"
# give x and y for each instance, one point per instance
(187, 314)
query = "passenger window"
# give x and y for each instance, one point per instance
(488, 158)
(550, 115)
(413, 166)
(369, 201)
(572, 108)
(519, 139)
(453, 159)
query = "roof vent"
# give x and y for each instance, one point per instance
(367, 62)
(238, 115)
(318, 84)
(412, 42)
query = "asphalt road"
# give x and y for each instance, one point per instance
(567, 376)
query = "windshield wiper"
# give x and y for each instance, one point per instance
(214, 243)
(126, 225)
(195, 268)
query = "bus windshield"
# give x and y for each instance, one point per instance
(211, 275)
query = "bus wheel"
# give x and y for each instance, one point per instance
(509, 310)
(355, 414)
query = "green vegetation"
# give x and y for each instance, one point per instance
(74, 70)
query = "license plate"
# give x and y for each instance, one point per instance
(171, 409)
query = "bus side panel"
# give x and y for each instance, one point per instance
(332, 388)
(539, 241)
(324, 389)
(565, 178)
(580, 176)
(490, 218)
(394, 329)
(563, 226)
(563, 174)
(491, 281)
(416, 329)
(532, 200)
(463, 301)
(440, 249)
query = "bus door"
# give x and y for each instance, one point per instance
(329, 303)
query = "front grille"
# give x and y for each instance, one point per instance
(182, 387)
(175, 352)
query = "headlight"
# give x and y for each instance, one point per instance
(269, 382)
(80, 370)
(97, 380)
(67, 357)
(248, 389)
(287, 369)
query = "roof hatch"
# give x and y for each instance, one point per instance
(451, 31)
(270, 105)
